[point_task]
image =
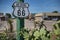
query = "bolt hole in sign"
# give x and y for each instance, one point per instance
(20, 9)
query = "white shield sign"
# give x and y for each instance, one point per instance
(20, 9)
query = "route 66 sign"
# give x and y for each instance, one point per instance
(20, 9)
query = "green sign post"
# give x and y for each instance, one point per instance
(20, 24)
(20, 11)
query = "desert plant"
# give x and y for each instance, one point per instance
(3, 36)
(41, 34)
(56, 30)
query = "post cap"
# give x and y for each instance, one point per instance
(21, 0)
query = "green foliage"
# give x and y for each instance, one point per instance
(57, 32)
(8, 15)
(34, 35)
(41, 34)
(3, 36)
(42, 31)
(55, 11)
(24, 33)
(58, 38)
(56, 28)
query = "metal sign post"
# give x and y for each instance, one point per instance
(20, 12)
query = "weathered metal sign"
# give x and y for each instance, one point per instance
(20, 9)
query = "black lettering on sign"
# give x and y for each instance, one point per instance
(19, 12)
(23, 13)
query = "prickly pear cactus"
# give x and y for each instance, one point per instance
(42, 31)
(57, 28)
(36, 34)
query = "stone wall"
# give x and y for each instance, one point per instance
(49, 24)
(29, 24)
